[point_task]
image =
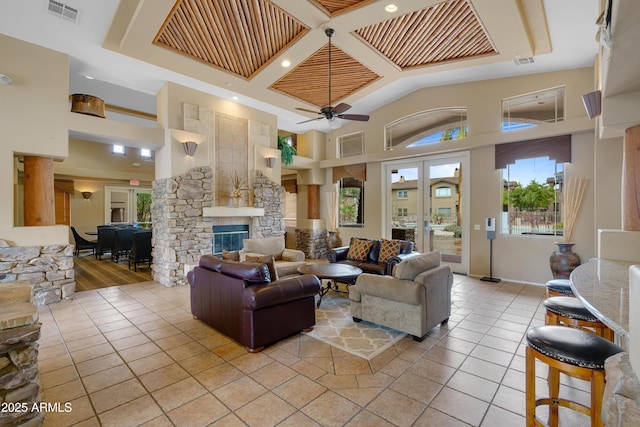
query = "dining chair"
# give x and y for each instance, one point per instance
(81, 243)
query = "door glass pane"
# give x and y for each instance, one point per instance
(143, 209)
(445, 211)
(119, 206)
(404, 204)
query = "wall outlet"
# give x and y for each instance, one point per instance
(476, 227)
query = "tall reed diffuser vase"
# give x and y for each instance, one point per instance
(563, 261)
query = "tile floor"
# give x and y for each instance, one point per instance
(133, 355)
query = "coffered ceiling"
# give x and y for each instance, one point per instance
(236, 47)
(243, 36)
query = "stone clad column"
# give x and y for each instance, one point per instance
(19, 334)
(39, 193)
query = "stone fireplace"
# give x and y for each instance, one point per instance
(184, 216)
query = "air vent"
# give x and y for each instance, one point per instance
(519, 60)
(351, 145)
(4, 79)
(64, 11)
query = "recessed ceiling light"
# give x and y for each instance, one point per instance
(286, 63)
(391, 8)
(235, 98)
(89, 77)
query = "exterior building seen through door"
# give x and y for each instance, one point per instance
(426, 206)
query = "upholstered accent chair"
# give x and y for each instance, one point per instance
(414, 299)
(286, 260)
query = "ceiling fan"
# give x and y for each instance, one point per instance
(331, 113)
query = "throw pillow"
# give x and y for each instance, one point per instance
(230, 255)
(265, 259)
(388, 249)
(359, 250)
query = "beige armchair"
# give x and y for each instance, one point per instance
(286, 260)
(413, 300)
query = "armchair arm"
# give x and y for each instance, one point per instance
(438, 276)
(338, 254)
(390, 288)
(281, 291)
(292, 255)
(396, 259)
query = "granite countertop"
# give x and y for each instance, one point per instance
(603, 287)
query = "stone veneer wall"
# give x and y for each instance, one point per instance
(49, 270)
(19, 333)
(270, 196)
(180, 233)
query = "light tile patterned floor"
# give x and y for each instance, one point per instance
(133, 355)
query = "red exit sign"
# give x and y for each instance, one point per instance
(134, 182)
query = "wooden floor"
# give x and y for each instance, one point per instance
(91, 273)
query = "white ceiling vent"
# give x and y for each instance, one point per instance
(519, 60)
(63, 11)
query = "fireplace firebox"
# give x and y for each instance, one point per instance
(228, 237)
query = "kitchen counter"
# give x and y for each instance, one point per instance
(603, 287)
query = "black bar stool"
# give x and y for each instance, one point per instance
(559, 288)
(569, 311)
(572, 352)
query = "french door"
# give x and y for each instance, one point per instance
(427, 202)
(127, 205)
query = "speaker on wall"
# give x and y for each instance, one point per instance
(592, 103)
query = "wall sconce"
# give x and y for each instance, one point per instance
(592, 103)
(271, 162)
(86, 195)
(190, 148)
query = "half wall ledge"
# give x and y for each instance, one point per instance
(222, 211)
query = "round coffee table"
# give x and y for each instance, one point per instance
(334, 274)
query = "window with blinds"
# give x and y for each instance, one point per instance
(351, 145)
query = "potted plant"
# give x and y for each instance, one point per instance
(286, 149)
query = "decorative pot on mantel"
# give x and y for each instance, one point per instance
(563, 261)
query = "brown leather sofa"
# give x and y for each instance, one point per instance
(239, 300)
(372, 264)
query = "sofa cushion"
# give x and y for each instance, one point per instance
(265, 259)
(210, 262)
(230, 255)
(359, 250)
(288, 268)
(252, 273)
(388, 249)
(265, 246)
(410, 268)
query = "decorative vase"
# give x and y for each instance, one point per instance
(563, 261)
(333, 241)
(236, 202)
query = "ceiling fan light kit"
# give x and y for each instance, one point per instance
(329, 112)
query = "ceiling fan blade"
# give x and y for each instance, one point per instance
(310, 120)
(358, 117)
(306, 110)
(341, 108)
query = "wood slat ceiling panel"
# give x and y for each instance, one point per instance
(444, 32)
(337, 7)
(239, 36)
(309, 81)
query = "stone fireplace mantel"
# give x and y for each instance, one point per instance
(222, 211)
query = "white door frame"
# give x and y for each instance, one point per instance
(423, 163)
